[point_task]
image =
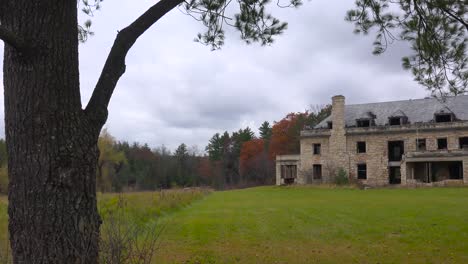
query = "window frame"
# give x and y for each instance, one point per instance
(360, 124)
(315, 168)
(316, 149)
(418, 140)
(441, 140)
(460, 139)
(359, 170)
(400, 122)
(439, 115)
(358, 149)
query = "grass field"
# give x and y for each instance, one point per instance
(305, 225)
(316, 225)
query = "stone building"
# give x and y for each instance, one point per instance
(410, 142)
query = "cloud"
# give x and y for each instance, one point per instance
(176, 90)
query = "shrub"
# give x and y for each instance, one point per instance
(341, 177)
(126, 241)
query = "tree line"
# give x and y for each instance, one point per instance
(231, 160)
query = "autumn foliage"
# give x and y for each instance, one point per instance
(286, 133)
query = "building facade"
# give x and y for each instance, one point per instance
(410, 142)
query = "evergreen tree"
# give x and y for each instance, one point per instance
(265, 130)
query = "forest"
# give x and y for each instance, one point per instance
(230, 160)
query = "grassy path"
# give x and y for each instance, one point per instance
(313, 225)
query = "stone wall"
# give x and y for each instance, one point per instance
(339, 146)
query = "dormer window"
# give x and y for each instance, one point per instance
(394, 121)
(363, 123)
(398, 118)
(443, 117)
(330, 125)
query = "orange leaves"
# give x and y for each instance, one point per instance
(286, 133)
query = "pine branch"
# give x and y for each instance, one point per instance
(114, 67)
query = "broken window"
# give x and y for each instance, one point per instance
(442, 118)
(317, 169)
(288, 171)
(361, 147)
(330, 125)
(463, 142)
(421, 144)
(396, 150)
(395, 175)
(394, 121)
(317, 149)
(363, 123)
(362, 171)
(442, 143)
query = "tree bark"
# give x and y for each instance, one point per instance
(51, 140)
(52, 144)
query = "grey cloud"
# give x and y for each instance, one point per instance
(178, 91)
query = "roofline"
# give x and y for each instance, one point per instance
(409, 100)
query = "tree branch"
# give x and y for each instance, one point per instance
(114, 67)
(11, 39)
(459, 19)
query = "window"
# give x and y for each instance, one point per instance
(442, 143)
(396, 150)
(421, 144)
(442, 118)
(317, 168)
(317, 149)
(361, 147)
(362, 171)
(394, 121)
(330, 125)
(463, 142)
(363, 122)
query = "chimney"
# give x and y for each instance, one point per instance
(338, 112)
(337, 146)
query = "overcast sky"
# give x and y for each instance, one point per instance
(176, 90)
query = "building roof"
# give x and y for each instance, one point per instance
(417, 111)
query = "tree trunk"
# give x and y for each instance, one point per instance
(52, 144)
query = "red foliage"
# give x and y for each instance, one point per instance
(285, 135)
(250, 153)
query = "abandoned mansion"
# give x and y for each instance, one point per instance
(410, 142)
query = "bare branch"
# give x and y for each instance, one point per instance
(115, 63)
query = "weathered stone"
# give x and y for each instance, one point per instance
(339, 148)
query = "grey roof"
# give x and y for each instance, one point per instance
(417, 111)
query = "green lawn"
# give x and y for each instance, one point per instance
(303, 225)
(317, 225)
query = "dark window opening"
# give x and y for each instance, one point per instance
(395, 121)
(442, 143)
(330, 125)
(463, 142)
(317, 169)
(362, 171)
(361, 147)
(288, 173)
(442, 118)
(395, 150)
(438, 171)
(421, 144)
(317, 149)
(395, 175)
(363, 123)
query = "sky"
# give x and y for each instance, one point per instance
(178, 91)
